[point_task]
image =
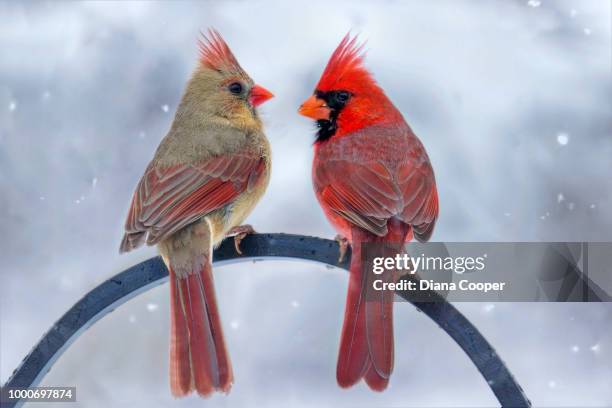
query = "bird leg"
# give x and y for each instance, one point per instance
(343, 242)
(239, 233)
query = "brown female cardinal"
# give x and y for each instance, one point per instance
(205, 178)
(373, 178)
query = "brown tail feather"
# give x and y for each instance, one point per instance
(198, 357)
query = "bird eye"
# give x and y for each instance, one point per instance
(235, 88)
(342, 96)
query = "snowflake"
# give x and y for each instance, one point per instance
(488, 308)
(151, 307)
(562, 138)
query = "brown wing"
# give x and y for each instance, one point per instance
(170, 198)
(369, 193)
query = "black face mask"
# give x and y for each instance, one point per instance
(335, 100)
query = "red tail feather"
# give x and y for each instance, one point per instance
(353, 358)
(198, 356)
(366, 344)
(374, 380)
(180, 367)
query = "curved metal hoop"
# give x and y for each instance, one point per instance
(139, 278)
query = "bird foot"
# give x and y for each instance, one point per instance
(239, 233)
(343, 242)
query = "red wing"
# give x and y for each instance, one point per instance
(369, 194)
(170, 198)
(362, 195)
(420, 197)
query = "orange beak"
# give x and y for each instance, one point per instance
(259, 95)
(315, 108)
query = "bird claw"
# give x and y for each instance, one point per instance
(343, 243)
(239, 233)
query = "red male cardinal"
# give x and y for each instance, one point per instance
(373, 178)
(205, 178)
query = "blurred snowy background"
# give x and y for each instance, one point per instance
(512, 99)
